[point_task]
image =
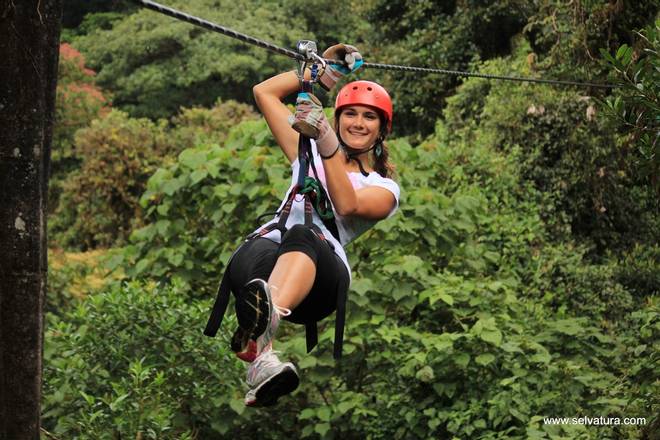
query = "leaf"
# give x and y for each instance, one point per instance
(605, 54)
(162, 226)
(172, 186)
(446, 298)
(118, 400)
(192, 159)
(306, 413)
(425, 374)
(462, 359)
(542, 357)
(484, 359)
(141, 266)
(492, 336)
(237, 405)
(322, 428)
(198, 176)
(323, 413)
(344, 407)
(307, 362)
(89, 399)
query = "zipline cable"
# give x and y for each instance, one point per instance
(149, 4)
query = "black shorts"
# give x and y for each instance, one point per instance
(256, 259)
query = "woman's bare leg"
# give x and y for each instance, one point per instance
(291, 279)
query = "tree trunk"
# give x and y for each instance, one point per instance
(29, 43)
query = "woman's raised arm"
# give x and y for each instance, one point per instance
(269, 95)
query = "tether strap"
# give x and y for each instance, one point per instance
(220, 304)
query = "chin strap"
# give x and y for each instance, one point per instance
(351, 154)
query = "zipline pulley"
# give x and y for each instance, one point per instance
(308, 49)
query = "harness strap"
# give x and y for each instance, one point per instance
(220, 304)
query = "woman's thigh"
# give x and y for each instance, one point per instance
(331, 275)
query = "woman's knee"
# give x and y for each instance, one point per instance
(302, 239)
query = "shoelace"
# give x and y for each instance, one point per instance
(282, 311)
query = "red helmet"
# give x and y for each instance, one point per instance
(366, 93)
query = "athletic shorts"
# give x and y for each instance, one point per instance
(256, 259)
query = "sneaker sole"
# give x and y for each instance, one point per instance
(279, 385)
(253, 314)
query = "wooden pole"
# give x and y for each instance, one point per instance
(29, 48)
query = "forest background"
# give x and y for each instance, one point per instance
(519, 279)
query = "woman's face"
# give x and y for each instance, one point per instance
(359, 126)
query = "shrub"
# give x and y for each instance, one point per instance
(567, 150)
(131, 362)
(201, 207)
(78, 102)
(74, 276)
(99, 203)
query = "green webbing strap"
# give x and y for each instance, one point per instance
(321, 203)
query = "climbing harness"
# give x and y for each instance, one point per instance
(149, 4)
(315, 198)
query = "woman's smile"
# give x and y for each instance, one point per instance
(359, 126)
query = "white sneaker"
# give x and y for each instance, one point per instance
(269, 378)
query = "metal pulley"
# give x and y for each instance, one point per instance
(308, 49)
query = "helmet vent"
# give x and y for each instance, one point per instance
(369, 88)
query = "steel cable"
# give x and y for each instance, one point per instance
(149, 4)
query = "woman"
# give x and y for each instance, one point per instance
(303, 275)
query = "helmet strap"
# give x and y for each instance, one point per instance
(352, 154)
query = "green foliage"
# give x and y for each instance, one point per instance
(100, 200)
(566, 37)
(99, 203)
(487, 328)
(198, 125)
(566, 149)
(154, 64)
(471, 332)
(79, 102)
(201, 207)
(518, 281)
(128, 363)
(447, 35)
(636, 106)
(72, 277)
(80, 16)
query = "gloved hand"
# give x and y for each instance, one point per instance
(311, 121)
(334, 72)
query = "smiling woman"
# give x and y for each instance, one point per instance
(295, 269)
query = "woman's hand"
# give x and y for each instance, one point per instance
(310, 121)
(334, 72)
